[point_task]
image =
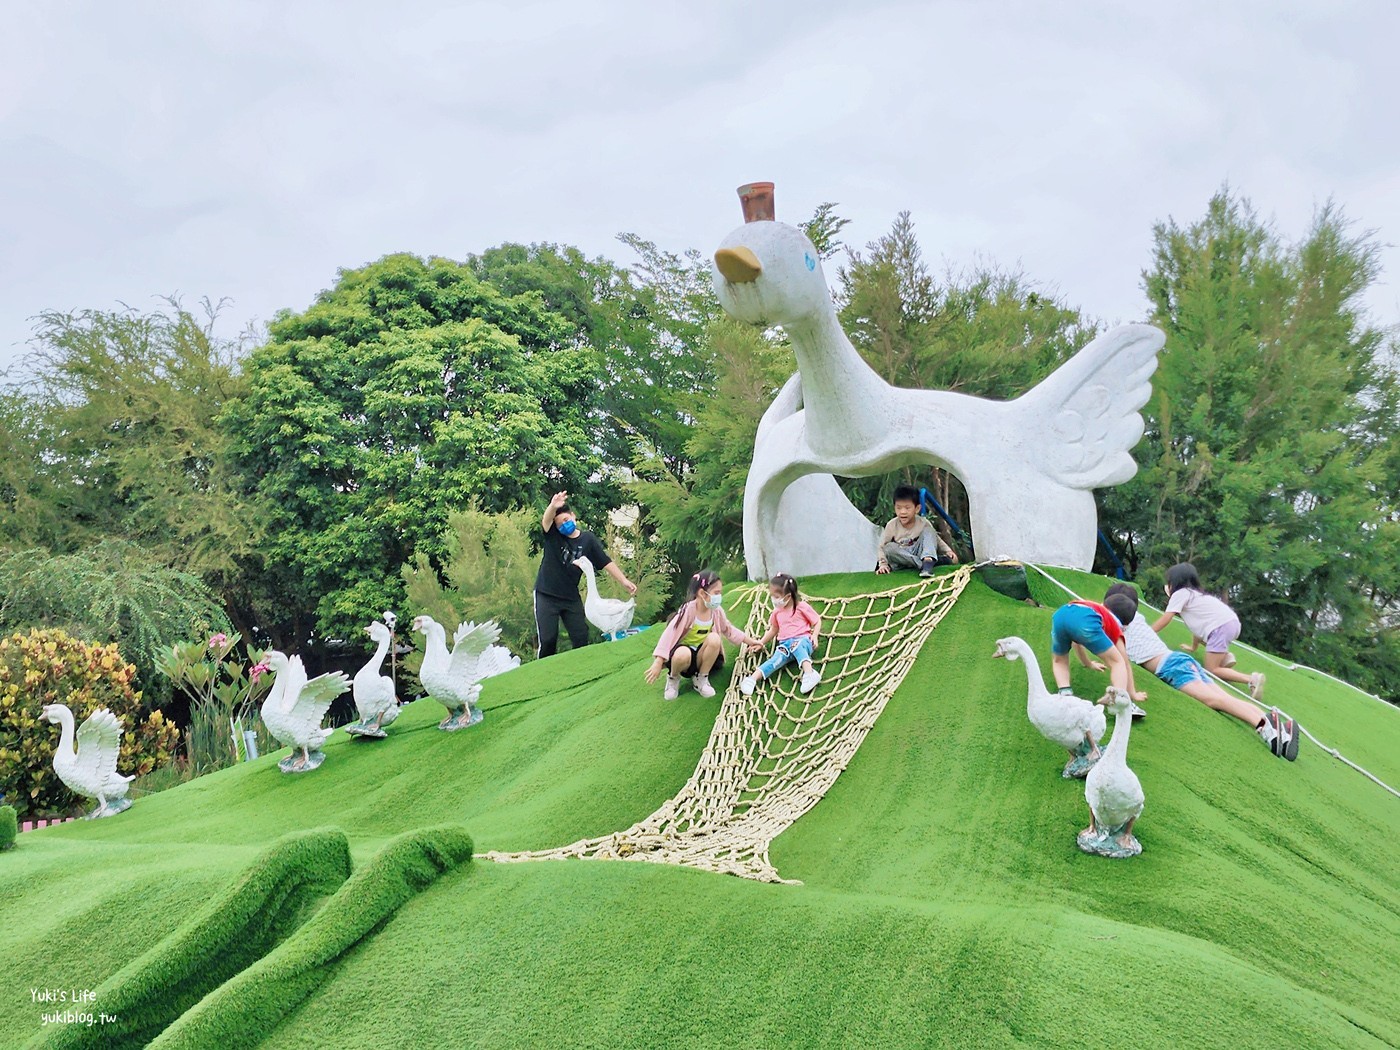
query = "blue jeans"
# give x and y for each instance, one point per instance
(789, 651)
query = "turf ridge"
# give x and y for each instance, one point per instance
(944, 901)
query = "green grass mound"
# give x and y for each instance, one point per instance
(230, 933)
(944, 902)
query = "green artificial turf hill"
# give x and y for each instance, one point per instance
(944, 902)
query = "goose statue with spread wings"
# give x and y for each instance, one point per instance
(90, 767)
(295, 708)
(1030, 465)
(453, 678)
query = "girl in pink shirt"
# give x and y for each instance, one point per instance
(795, 625)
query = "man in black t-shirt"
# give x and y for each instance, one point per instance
(556, 584)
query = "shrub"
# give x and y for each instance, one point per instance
(224, 692)
(52, 667)
(9, 827)
(111, 592)
(235, 929)
(244, 1011)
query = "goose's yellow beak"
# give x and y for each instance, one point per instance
(739, 265)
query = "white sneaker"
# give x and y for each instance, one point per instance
(1136, 711)
(746, 686)
(1256, 685)
(703, 686)
(810, 679)
(673, 687)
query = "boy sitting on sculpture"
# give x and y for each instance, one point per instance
(909, 541)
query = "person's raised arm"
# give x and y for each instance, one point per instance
(557, 501)
(621, 577)
(1162, 621)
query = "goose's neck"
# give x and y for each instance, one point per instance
(589, 580)
(379, 653)
(834, 379)
(1033, 679)
(65, 736)
(1117, 750)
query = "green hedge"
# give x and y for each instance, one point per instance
(9, 827)
(229, 934)
(244, 1011)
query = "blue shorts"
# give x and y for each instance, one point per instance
(1077, 623)
(1179, 670)
(791, 650)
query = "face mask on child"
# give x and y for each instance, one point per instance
(714, 601)
(567, 528)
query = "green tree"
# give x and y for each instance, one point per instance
(410, 389)
(984, 332)
(113, 434)
(1266, 460)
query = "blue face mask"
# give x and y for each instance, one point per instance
(567, 528)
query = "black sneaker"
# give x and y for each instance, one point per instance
(1284, 742)
(927, 568)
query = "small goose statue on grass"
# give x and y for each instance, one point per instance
(1075, 724)
(1112, 790)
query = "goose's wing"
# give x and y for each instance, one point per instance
(496, 660)
(99, 745)
(294, 681)
(468, 645)
(314, 700)
(787, 402)
(1091, 403)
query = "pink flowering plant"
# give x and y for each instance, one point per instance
(226, 683)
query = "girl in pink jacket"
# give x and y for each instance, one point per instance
(690, 645)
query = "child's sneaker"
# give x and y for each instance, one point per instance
(1228, 660)
(1256, 685)
(926, 569)
(673, 687)
(1136, 711)
(810, 679)
(746, 685)
(703, 686)
(1281, 734)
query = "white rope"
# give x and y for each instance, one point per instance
(1233, 688)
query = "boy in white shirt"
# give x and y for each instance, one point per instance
(1182, 671)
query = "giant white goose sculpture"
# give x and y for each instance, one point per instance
(375, 699)
(454, 678)
(294, 709)
(612, 616)
(1029, 465)
(1075, 724)
(90, 768)
(1112, 790)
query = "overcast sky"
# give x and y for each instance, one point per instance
(249, 150)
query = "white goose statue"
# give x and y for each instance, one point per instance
(612, 616)
(294, 709)
(375, 698)
(454, 678)
(1113, 791)
(1075, 724)
(90, 768)
(1029, 465)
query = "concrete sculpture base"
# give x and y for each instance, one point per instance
(365, 731)
(297, 762)
(1077, 768)
(1109, 842)
(463, 719)
(110, 809)
(1029, 465)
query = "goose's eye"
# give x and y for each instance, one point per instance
(807, 258)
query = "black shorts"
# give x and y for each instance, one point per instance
(694, 668)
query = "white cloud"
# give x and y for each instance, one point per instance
(250, 150)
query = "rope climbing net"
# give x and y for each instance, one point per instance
(773, 755)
